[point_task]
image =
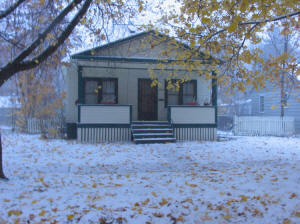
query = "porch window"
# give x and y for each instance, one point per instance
(185, 95)
(100, 90)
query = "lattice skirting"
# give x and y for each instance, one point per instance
(195, 134)
(105, 134)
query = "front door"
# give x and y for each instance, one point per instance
(147, 100)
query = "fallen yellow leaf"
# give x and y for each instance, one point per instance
(42, 213)
(14, 212)
(163, 202)
(70, 217)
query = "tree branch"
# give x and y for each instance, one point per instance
(11, 9)
(255, 23)
(12, 42)
(63, 36)
(7, 72)
(271, 20)
(44, 34)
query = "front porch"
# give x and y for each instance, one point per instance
(113, 123)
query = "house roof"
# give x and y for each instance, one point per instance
(110, 44)
(87, 54)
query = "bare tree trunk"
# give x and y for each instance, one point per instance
(282, 95)
(282, 81)
(2, 176)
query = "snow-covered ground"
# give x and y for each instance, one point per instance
(244, 180)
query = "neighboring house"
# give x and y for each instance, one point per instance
(267, 103)
(110, 97)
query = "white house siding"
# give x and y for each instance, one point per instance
(193, 115)
(128, 75)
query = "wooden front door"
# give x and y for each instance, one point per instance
(147, 100)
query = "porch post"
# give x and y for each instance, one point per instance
(214, 95)
(80, 85)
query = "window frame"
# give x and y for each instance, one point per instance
(100, 83)
(261, 109)
(180, 92)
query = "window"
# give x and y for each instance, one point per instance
(285, 100)
(100, 91)
(261, 104)
(181, 93)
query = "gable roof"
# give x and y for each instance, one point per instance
(111, 44)
(87, 54)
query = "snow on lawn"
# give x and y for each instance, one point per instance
(244, 180)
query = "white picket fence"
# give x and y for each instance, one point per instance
(34, 125)
(264, 126)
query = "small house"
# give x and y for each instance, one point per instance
(111, 96)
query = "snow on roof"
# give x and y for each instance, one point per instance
(9, 102)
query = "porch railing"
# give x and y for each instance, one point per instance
(193, 122)
(104, 114)
(192, 115)
(104, 123)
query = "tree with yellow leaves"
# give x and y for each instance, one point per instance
(226, 29)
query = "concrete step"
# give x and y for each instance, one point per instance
(146, 132)
(145, 126)
(152, 135)
(154, 140)
(152, 130)
(150, 122)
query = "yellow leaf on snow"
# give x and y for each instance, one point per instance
(43, 182)
(14, 212)
(243, 198)
(42, 213)
(157, 214)
(146, 201)
(227, 217)
(70, 217)
(154, 194)
(163, 202)
(286, 221)
(292, 196)
(191, 185)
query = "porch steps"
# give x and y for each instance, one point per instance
(146, 132)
